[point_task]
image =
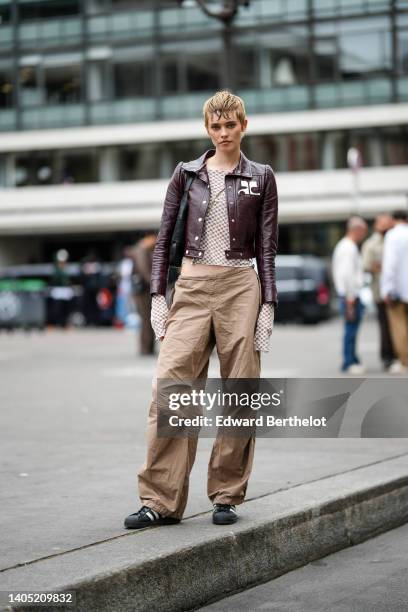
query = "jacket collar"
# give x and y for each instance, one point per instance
(198, 165)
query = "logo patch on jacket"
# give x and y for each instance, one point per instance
(248, 187)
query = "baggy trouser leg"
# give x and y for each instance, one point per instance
(231, 459)
(398, 317)
(184, 355)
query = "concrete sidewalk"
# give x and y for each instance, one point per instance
(184, 566)
(73, 418)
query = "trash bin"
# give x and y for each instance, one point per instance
(22, 303)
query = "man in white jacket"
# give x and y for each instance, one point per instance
(348, 277)
(394, 284)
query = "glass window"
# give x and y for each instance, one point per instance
(395, 141)
(46, 116)
(378, 5)
(403, 51)
(56, 168)
(5, 13)
(46, 9)
(284, 55)
(203, 72)
(33, 169)
(183, 150)
(295, 8)
(131, 23)
(265, 149)
(132, 79)
(174, 17)
(6, 87)
(76, 167)
(353, 49)
(326, 59)
(30, 90)
(324, 8)
(247, 74)
(96, 6)
(139, 162)
(129, 4)
(365, 50)
(99, 27)
(62, 84)
(171, 75)
(270, 9)
(98, 81)
(279, 10)
(249, 62)
(348, 7)
(197, 70)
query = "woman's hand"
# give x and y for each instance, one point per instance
(159, 315)
(264, 327)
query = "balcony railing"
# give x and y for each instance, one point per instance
(41, 34)
(68, 115)
(277, 99)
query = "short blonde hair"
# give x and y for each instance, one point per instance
(222, 103)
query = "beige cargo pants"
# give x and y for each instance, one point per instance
(218, 310)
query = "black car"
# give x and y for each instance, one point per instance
(303, 288)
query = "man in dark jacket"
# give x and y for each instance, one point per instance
(143, 257)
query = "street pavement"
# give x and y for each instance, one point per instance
(73, 412)
(369, 577)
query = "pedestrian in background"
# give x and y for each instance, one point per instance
(91, 281)
(372, 253)
(348, 277)
(143, 259)
(123, 303)
(394, 285)
(61, 292)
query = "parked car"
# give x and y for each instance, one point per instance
(303, 286)
(13, 276)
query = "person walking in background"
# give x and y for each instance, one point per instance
(91, 280)
(124, 287)
(143, 258)
(372, 253)
(348, 277)
(394, 285)
(61, 292)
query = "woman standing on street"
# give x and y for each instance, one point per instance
(219, 300)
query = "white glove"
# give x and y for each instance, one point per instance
(158, 316)
(264, 327)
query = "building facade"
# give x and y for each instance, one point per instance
(100, 99)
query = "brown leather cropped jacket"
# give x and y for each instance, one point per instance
(252, 202)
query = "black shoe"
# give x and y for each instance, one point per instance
(224, 514)
(146, 517)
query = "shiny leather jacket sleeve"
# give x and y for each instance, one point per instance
(160, 264)
(266, 239)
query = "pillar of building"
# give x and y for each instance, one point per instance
(328, 151)
(108, 165)
(265, 68)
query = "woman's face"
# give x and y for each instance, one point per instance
(226, 133)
